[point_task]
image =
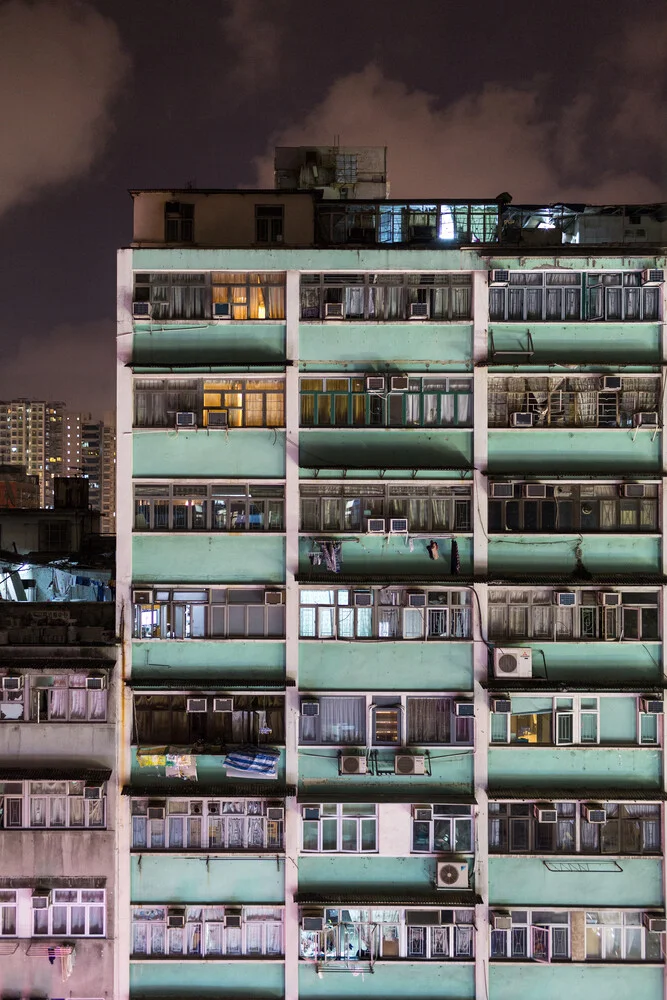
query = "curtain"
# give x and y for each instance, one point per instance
(343, 720)
(428, 720)
(58, 703)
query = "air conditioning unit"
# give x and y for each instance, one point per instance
(334, 310)
(652, 706)
(214, 808)
(223, 704)
(594, 812)
(655, 923)
(502, 491)
(175, 919)
(232, 919)
(609, 599)
(398, 525)
(501, 706)
(376, 526)
(186, 419)
(142, 310)
(652, 276)
(93, 792)
(466, 709)
(274, 597)
(522, 419)
(535, 491)
(196, 808)
(501, 921)
(310, 923)
(375, 383)
(217, 418)
(452, 875)
(419, 310)
(196, 705)
(275, 813)
(12, 683)
(409, 764)
(645, 419)
(565, 598)
(156, 812)
(633, 490)
(142, 596)
(499, 277)
(423, 813)
(362, 598)
(310, 708)
(400, 383)
(416, 599)
(222, 310)
(612, 383)
(349, 764)
(513, 662)
(96, 683)
(545, 812)
(41, 899)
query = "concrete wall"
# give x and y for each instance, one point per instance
(357, 666)
(240, 452)
(208, 557)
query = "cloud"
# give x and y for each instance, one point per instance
(253, 43)
(61, 66)
(72, 363)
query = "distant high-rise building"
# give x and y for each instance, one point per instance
(31, 434)
(98, 464)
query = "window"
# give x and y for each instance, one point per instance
(331, 506)
(442, 829)
(179, 222)
(222, 295)
(207, 824)
(8, 912)
(619, 296)
(174, 296)
(69, 912)
(619, 936)
(532, 614)
(253, 296)
(164, 719)
(269, 223)
(540, 935)
(216, 613)
(549, 721)
(629, 828)
(394, 721)
(572, 401)
(345, 402)
(571, 507)
(411, 223)
(215, 403)
(386, 297)
(224, 507)
(348, 828)
(515, 828)
(70, 697)
(570, 296)
(54, 536)
(341, 721)
(370, 934)
(52, 805)
(385, 614)
(207, 931)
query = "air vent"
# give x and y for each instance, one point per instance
(349, 764)
(522, 420)
(565, 598)
(223, 704)
(376, 526)
(502, 491)
(186, 418)
(517, 662)
(400, 383)
(501, 706)
(195, 705)
(545, 812)
(196, 808)
(452, 875)
(409, 764)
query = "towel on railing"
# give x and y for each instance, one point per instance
(254, 761)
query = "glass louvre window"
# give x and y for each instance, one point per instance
(70, 912)
(442, 829)
(208, 507)
(384, 614)
(386, 297)
(339, 828)
(215, 403)
(207, 931)
(531, 614)
(207, 824)
(620, 936)
(216, 613)
(162, 719)
(557, 401)
(347, 507)
(567, 507)
(570, 296)
(255, 296)
(345, 402)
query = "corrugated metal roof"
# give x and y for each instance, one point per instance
(574, 579)
(582, 792)
(42, 882)
(55, 774)
(338, 793)
(543, 684)
(530, 476)
(177, 788)
(212, 684)
(390, 896)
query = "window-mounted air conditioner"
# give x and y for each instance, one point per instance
(156, 812)
(513, 662)
(652, 706)
(142, 596)
(565, 598)
(535, 491)
(612, 383)
(522, 419)
(222, 310)
(419, 310)
(12, 683)
(652, 276)
(499, 277)
(41, 899)
(376, 526)
(400, 383)
(502, 491)
(545, 812)
(362, 598)
(655, 923)
(375, 383)
(423, 813)
(648, 418)
(275, 813)
(96, 683)
(398, 525)
(223, 704)
(217, 418)
(334, 310)
(349, 764)
(142, 310)
(452, 875)
(274, 597)
(416, 599)
(609, 599)
(232, 919)
(466, 709)
(633, 490)
(501, 921)
(195, 705)
(501, 706)
(310, 707)
(405, 763)
(594, 812)
(310, 922)
(175, 918)
(186, 418)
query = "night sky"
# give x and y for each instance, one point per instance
(549, 101)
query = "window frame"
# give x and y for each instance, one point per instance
(455, 815)
(56, 902)
(182, 296)
(156, 401)
(199, 917)
(591, 291)
(334, 815)
(217, 826)
(386, 297)
(347, 507)
(157, 504)
(174, 616)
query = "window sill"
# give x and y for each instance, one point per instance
(372, 638)
(577, 746)
(600, 533)
(576, 858)
(213, 638)
(207, 531)
(204, 430)
(412, 321)
(569, 428)
(422, 427)
(237, 959)
(212, 854)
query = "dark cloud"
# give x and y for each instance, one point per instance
(252, 41)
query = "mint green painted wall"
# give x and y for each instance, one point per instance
(309, 259)
(344, 872)
(428, 981)
(155, 879)
(512, 767)
(210, 771)
(417, 346)
(380, 473)
(203, 453)
(389, 554)
(452, 769)
(390, 446)
(245, 659)
(528, 882)
(575, 982)
(607, 343)
(513, 552)
(630, 661)
(191, 557)
(534, 449)
(208, 343)
(387, 666)
(251, 980)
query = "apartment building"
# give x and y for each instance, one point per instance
(98, 464)
(32, 434)
(391, 571)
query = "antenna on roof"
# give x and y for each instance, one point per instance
(336, 141)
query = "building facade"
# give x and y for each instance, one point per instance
(390, 574)
(98, 463)
(32, 435)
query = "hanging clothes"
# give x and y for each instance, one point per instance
(456, 559)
